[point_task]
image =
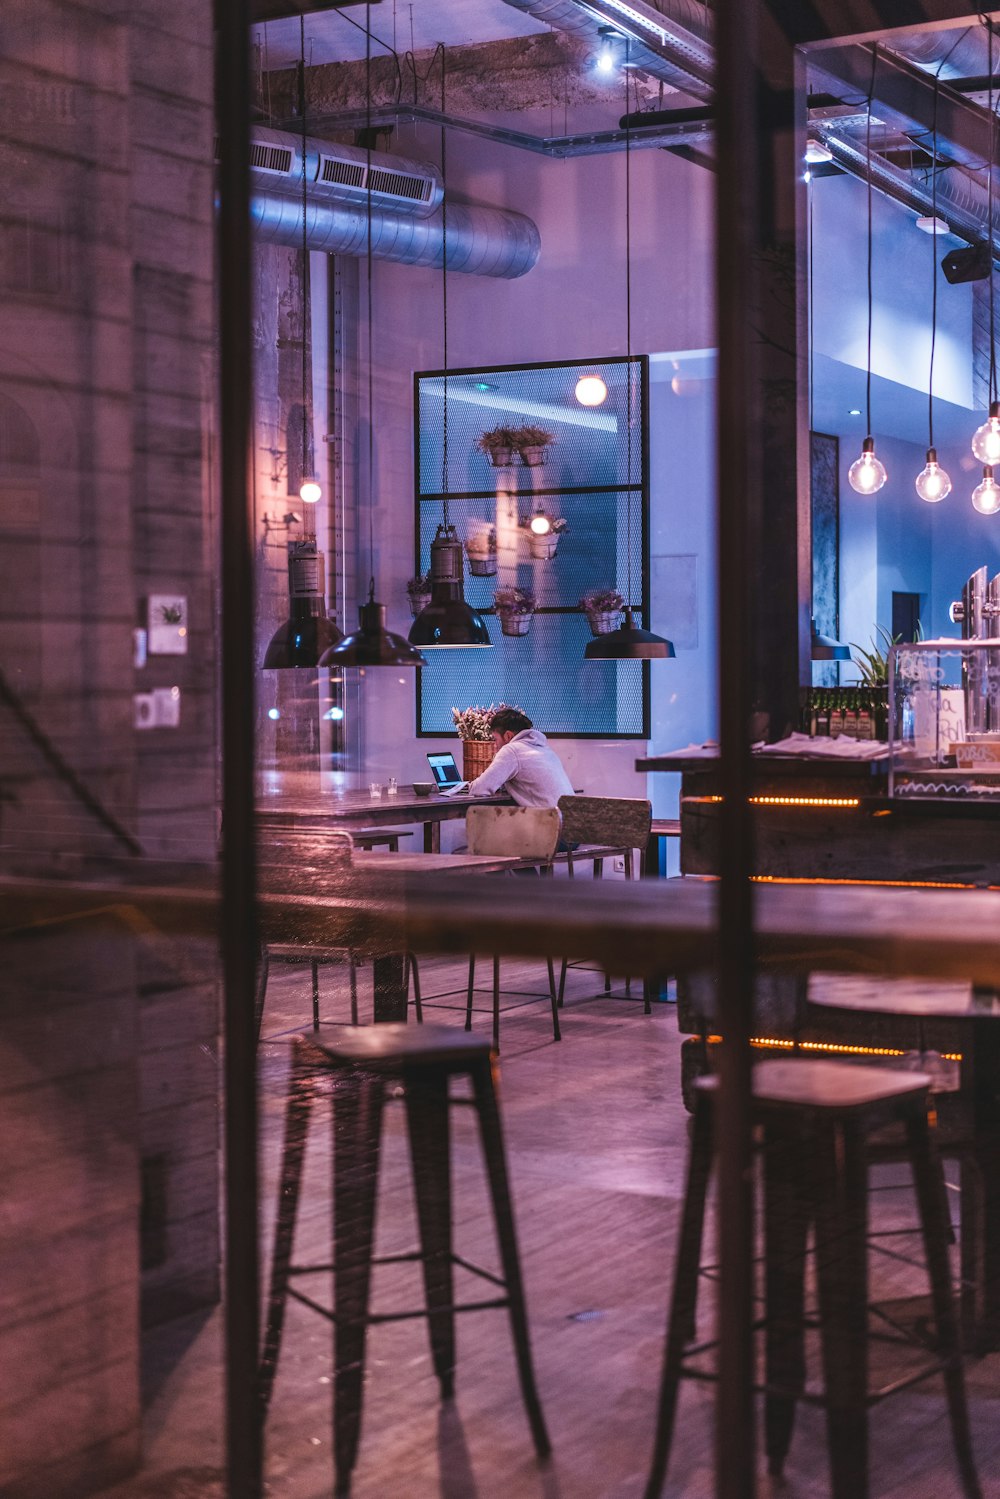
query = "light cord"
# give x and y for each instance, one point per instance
(628, 321)
(371, 404)
(989, 189)
(868, 150)
(934, 267)
(306, 299)
(444, 295)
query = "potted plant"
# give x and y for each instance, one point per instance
(498, 445)
(533, 445)
(481, 549)
(473, 727)
(543, 532)
(514, 607)
(601, 606)
(418, 591)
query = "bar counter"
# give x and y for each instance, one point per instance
(833, 819)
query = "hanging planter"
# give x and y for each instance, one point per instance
(498, 445)
(418, 591)
(602, 607)
(473, 726)
(543, 532)
(533, 445)
(481, 550)
(514, 607)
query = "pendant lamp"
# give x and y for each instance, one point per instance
(629, 642)
(825, 648)
(372, 644)
(986, 439)
(867, 474)
(932, 482)
(307, 632)
(447, 620)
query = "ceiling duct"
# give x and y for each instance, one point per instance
(406, 200)
(672, 42)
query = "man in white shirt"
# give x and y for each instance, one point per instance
(524, 765)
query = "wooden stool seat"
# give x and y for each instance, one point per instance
(814, 1124)
(362, 1067)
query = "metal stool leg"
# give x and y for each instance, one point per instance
(496, 1166)
(427, 1119)
(352, 968)
(926, 1180)
(357, 1122)
(496, 1001)
(562, 981)
(314, 965)
(298, 1106)
(684, 1300)
(262, 973)
(472, 981)
(841, 1216)
(553, 994)
(786, 1229)
(414, 973)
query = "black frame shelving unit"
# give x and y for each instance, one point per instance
(557, 675)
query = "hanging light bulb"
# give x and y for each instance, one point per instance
(591, 390)
(986, 439)
(867, 474)
(986, 496)
(540, 524)
(607, 58)
(932, 482)
(310, 491)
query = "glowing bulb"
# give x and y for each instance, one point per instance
(986, 439)
(932, 481)
(866, 474)
(591, 390)
(986, 496)
(540, 525)
(274, 712)
(310, 491)
(604, 63)
(335, 713)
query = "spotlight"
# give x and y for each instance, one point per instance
(817, 150)
(972, 263)
(931, 224)
(606, 60)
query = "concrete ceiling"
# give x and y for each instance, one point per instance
(404, 25)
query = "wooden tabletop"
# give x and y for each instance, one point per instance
(926, 999)
(657, 926)
(375, 864)
(351, 808)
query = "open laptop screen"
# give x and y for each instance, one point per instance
(444, 769)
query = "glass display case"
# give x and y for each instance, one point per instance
(944, 720)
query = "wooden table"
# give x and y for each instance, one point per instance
(347, 809)
(978, 1012)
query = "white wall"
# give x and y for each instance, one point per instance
(570, 306)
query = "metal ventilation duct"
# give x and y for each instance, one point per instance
(406, 201)
(672, 42)
(481, 241)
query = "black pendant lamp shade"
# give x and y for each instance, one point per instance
(448, 620)
(825, 648)
(630, 642)
(307, 632)
(372, 644)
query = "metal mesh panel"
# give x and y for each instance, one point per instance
(593, 482)
(545, 675)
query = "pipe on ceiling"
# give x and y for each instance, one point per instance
(481, 241)
(684, 59)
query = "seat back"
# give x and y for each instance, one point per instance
(301, 858)
(527, 832)
(609, 821)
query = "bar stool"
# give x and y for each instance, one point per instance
(318, 956)
(369, 838)
(358, 1066)
(814, 1120)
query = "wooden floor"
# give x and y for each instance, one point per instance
(597, 1138)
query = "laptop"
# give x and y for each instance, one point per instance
(445, 773)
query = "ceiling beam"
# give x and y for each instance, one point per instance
(280, 10)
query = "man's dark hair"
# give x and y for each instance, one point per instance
(509, 718)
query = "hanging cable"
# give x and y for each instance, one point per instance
(867, 474)
(444, 294)
(371, 400)
(933, 483)
(628, 318)
(986, 438)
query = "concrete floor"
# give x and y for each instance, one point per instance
(597, 1140)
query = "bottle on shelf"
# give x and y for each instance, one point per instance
(851, 716)
(822, 715)
(837, 714)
